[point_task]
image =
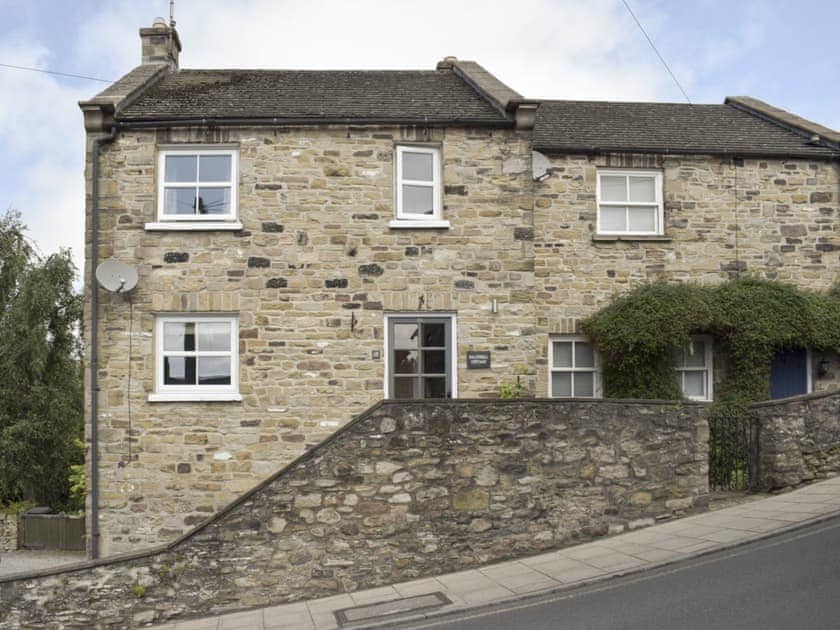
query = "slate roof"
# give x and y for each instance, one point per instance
(313, 95)
(595, 127)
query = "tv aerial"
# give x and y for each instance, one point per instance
(116, 277)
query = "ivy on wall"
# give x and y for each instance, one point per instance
(639, 333)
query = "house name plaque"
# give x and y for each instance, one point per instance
(478, 359)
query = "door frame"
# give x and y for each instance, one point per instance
(453, 353)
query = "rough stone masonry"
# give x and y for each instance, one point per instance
(798, 439)
(404, 491)
(316, 254)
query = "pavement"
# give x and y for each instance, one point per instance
(25, 561)
(506, 582)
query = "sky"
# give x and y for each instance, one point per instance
(781, 51)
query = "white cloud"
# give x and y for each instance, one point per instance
(43, 150)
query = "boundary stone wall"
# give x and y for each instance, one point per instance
(8, 532)
(798, 439)
(408, 489)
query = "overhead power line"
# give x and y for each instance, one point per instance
(652, 45)
(61, 74)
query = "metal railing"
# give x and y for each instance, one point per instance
(733, 452)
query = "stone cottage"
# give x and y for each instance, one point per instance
(311, 242)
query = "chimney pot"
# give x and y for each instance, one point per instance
(447, 62)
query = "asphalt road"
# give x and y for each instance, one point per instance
(789, 582)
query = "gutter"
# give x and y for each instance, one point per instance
(594, 150)
(265, 121)
(94, 340)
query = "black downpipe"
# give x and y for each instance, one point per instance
(94, 347)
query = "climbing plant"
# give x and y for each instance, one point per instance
(638, 335)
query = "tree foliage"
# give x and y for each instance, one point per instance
(41, 391)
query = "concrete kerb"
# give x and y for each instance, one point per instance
(441, 615)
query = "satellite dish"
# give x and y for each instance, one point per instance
(116, 277)
(540, 166)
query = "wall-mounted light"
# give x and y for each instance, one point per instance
(494, 306)
(822, 368)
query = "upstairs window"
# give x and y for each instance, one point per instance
(694, 369)
(418, 187)
(197, 185)
(629, 202)
(573, 367)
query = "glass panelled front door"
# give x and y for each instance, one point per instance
(789, 373)
(420, 357)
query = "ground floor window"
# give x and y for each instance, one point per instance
(420, 355)
(573, 367)
(694, 369)
(197, 357)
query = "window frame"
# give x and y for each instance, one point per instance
(198, 221)
(708, 369)
(595, 370)
(659, 229)
(167, 393)
(410, 219)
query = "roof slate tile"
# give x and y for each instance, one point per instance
(597, 126)
(312, 94)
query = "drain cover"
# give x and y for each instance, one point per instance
(393, 607)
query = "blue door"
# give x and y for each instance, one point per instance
(789, 373)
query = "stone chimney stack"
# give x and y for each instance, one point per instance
(161, 43)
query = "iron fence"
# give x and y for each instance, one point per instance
(733, 452)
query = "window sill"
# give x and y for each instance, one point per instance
(403, 224)
(608, 238)
(193, 226)
(194, 397)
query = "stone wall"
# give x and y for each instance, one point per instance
(8, 532)
(404, 491)
(773, 218)
(799, 439)
(310, 276)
